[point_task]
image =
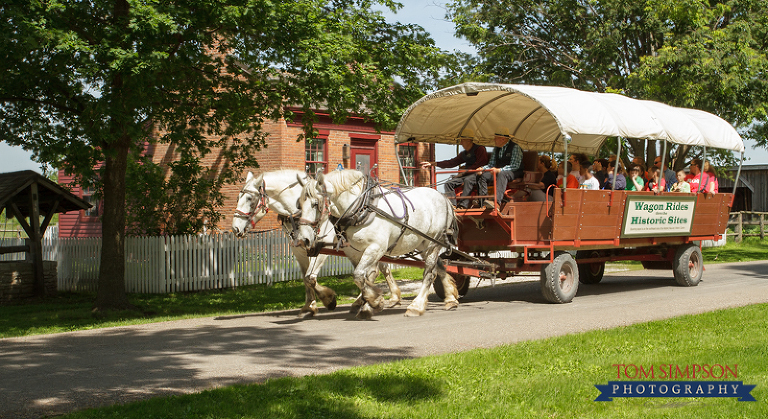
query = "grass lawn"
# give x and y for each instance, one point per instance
(751, 248)
(551, 378)
(72, 311)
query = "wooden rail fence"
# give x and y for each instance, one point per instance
(747, 218)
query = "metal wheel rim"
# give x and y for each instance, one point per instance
(565, 277)
(595, 268)
(694, 265)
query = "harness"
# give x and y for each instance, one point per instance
(260, 196)
(296, 220)
(364, 208)
(359, 213)
(262, 204)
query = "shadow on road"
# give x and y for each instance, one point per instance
(60, 373)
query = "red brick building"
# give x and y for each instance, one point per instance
(354, 144)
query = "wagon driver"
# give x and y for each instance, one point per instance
(505, 163)
(473, 157)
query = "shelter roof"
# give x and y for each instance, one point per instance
(15, 188)
(541, 117)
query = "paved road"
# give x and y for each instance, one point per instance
(54, 374)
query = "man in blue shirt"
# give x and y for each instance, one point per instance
(505, 165)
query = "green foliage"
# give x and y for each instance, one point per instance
(552, 378)
(86, 84)
(181, 203)
(687, 53)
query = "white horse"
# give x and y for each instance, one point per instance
(358, 209)
(279, 191)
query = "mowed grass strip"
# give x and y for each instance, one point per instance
(73, 311)
(750, 249)
(551, 378)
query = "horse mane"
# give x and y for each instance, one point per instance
(289, 175)
(346, 180)
(310, 190)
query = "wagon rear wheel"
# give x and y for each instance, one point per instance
(461, 282)
(560, 279)
(590, 273)
(688, 265)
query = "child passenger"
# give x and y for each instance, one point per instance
(681, 185)
(590, 181)
(636, 182)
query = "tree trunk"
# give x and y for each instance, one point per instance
(111, 286)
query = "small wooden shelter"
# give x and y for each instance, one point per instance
(27, 196)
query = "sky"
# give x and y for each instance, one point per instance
(429, 14)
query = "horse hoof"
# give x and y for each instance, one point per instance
(328, 297)
(332, 305)
(365, 313)
(392, 304)
(307, 313)
(453, 305)
(413, 313)
(355, 307)
(378, 305)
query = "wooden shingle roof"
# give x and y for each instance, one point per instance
(15, 188)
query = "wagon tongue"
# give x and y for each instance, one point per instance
(479, 263)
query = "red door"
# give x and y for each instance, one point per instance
(363, 155)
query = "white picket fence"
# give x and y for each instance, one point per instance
(165, 264)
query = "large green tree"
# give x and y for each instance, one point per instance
(86, 83)
(709, 55)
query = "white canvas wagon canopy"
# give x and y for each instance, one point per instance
(541, 117)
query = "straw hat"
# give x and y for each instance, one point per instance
(467, 133)
(503, 132)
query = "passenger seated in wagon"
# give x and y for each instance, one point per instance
(578, 162)
(681, 185)
(713, 186)
(621, 181)
(636, 182)
(548, 173)
(505, 165)
(654, 183)
(590, 181)
(697, 177)
(472, 157)
(571, 182)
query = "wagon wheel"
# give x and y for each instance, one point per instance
(590, 273)
(688, 265)
(560, 279)
(461, 282)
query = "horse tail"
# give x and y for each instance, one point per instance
(452, 226)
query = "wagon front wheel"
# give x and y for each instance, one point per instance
(688, 265)
(560, 279)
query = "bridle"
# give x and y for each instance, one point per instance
(297, 220)
(260, 196)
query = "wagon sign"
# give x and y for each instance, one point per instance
(656, 216)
